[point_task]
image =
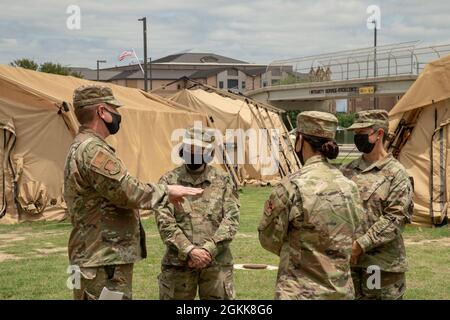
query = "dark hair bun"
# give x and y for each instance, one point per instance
(330, 149)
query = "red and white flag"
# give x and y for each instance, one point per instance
(126, 53)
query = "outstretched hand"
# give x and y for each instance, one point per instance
(176, 193)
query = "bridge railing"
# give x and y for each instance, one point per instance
(406, 58)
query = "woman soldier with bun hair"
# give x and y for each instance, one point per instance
(311, 218)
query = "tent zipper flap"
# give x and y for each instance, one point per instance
(7, 169)
(438, 173)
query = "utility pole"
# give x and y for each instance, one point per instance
(144, 22)
(374, 21)
(374, 48)
(98, 68)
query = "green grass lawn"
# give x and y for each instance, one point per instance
(33, 259)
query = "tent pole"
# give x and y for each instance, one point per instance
(289, 121)
(288, 164)
(289, 140)
(227, 162)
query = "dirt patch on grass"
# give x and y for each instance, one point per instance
(12, 237)
(47, 251)
(7, 256)
(26, 234)
(440, 241)
(246, 235)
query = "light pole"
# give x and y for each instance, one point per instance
(374, 21)
(98, 68)
(144, 22)
(374, 48)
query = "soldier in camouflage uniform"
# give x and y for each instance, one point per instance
(107, 236)
(312, 218)
(386, 192)
(198, 233)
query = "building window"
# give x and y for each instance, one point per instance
(341, 105)
(243, 85)
(264, 83)
(276, 72)
(232, 84)
(220, 84)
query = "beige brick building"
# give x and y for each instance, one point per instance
(212, 69)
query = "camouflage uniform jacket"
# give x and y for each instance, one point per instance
(209, 221)
(310, 221)
(102, 198)
(386, 192)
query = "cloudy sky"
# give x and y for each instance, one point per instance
(257, 31)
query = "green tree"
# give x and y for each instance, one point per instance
(25, 63)
(345, 119)
(48, 67)
(76, 74)
(57, 68)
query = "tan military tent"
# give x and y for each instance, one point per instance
(420, 123)
(227, 111)
(38, 124)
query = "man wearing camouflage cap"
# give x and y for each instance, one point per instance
(386, 192)
(199, 231)
(312, 218)
(102, 197)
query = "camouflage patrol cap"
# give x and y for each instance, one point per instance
(317, 123)
(368, 118)
(93, 94)
(199, 137)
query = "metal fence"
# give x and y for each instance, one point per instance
(407, 58)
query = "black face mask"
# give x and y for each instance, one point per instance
(114, 126)
(363, 144)
(193, 161)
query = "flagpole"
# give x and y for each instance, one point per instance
(134, 52)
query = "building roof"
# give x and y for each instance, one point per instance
(156, 74)
(197, 58)
(255, 71)
(90, 74)
(200, 74)
(211, 72)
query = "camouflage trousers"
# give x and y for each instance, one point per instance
(303, 288)
(392, 285)
(181, 283)
(114, 277)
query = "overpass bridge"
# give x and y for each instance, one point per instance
(316, 95)
(314, 82)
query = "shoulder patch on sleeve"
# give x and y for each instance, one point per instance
(106, 164)
(277, 202)
(99, 159)
(113, 167)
